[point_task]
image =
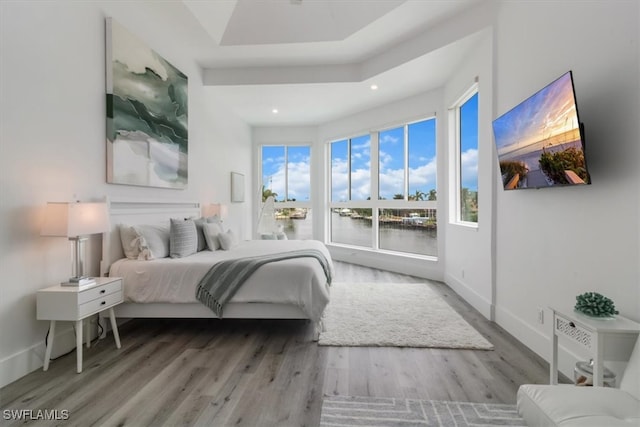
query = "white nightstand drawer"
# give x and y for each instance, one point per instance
(573, 331)
(70, 303)
(99, 292)
(99, 304)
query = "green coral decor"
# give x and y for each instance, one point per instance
(595, 304)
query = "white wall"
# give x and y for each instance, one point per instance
(53, 147)
(469, 252)
(553, 244)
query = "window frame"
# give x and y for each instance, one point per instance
(375, 203)
(287, 203)
(455, 165)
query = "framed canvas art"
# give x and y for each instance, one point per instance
(147, 109)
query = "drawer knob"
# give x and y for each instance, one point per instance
(103, 303)
(573, 325)
(103, 291)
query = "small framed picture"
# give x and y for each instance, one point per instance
(237, 187)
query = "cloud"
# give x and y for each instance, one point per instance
(469, 168)
(388, 139)
(299, 175)
(421, 178)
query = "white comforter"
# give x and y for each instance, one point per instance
(298, 281)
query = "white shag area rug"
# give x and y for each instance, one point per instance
(395, 315)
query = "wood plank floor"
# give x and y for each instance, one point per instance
(204, 372)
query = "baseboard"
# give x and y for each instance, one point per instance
(537, 340)
(478, 302)
(20, 364)
(403, 264)
(30, 359)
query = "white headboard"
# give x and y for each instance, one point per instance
(138, 212)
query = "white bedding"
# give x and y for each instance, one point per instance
(300, 281)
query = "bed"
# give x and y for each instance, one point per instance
(164, 288)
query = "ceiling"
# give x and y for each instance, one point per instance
(315, 60)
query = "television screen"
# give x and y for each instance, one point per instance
(540, 142)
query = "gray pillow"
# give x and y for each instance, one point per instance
(227, 240)
(202, 242)
(183, 238)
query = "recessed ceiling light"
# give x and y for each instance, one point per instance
(374, 87)
(274, 111)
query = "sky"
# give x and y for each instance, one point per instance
(551, 111)
(469, 144)
(421, 160)
(296, 165)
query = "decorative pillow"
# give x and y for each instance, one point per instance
(211, 234)
(227, 240)
(130, 239)
(183, 238)
(202, 242)
(155, 241)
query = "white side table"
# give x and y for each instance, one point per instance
(75, 304)
(589, 332)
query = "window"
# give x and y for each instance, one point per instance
(286, 175)
(402, 218)
(466, 137)
(350, 169)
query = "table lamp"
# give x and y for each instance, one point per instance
(76, 221)
(215, 209)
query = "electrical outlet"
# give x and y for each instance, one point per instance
(541, 315)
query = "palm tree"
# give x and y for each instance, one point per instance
(432, 194)
(418, 196)
(266, 192)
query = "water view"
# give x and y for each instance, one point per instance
(403, 230)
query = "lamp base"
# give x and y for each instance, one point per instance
(79, 281)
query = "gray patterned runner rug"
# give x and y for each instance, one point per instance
(399, 412)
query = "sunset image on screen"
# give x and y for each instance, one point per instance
(538, 141)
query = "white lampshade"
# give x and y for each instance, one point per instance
(75, 219)
(215, 209)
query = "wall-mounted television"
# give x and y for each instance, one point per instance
(540, 142)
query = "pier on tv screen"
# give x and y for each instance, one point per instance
(540, 142)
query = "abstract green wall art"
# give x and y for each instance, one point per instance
(147, 106)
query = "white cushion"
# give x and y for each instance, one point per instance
(569, 405)
(130, 239)
(157, 241)
(630, 381)
(228, 240)
(211, 231)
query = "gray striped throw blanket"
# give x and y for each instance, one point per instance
(224, 279)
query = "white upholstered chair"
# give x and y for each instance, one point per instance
(567, 405)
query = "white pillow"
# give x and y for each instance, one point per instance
(130, 239)
(183, 238)
(156, 238)
(227, 240)
(211, 232)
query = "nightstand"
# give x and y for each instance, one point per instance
(589, 333)
(70, 303)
